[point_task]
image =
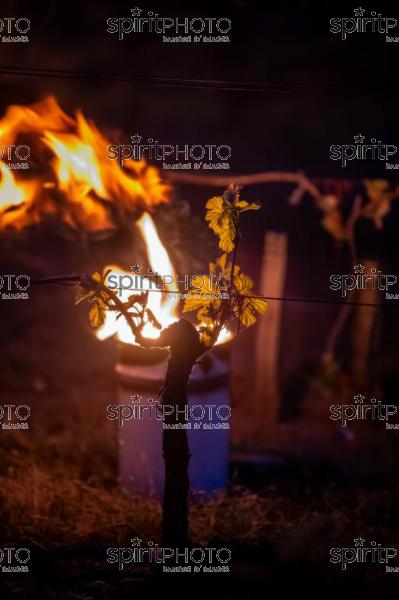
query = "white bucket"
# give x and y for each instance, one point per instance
(141, 466)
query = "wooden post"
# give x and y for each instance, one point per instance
(274, 264)
(362, 330)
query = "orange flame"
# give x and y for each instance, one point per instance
(76, 181)
(165, 309)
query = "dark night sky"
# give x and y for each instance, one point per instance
(321, 90)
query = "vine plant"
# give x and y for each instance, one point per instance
(186, 342)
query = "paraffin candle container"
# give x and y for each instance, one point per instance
(141, 375)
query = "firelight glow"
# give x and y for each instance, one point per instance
(74, 182)
(164, 309)
(10, 193)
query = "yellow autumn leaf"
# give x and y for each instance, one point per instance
(220, 265)
(215, 211)
(204, 286)
(241, 204)
(194, 301)
(227, 235)
(221, 222)
(223, 215)
(260, 304)
(96, 276)
(244, 205)
(243, 283)
(248, 308)
(86, 291)
(198, 296)
(245, 306)
(97, 313)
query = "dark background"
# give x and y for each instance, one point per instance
(280, 93)
(314, 89)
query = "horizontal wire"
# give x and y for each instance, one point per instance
(217, 84)
(76, 278)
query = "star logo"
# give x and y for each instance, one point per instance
(136, 11)
(358, 398)
(136, 138)
(135, 398)
(359, 269)
(359, 542)
(135, 268)
(359, 138)
(359, 12)
(136, 541)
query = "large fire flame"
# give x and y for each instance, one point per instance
(70, 176)
(71, 179)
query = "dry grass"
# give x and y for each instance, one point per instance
(59, 486)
